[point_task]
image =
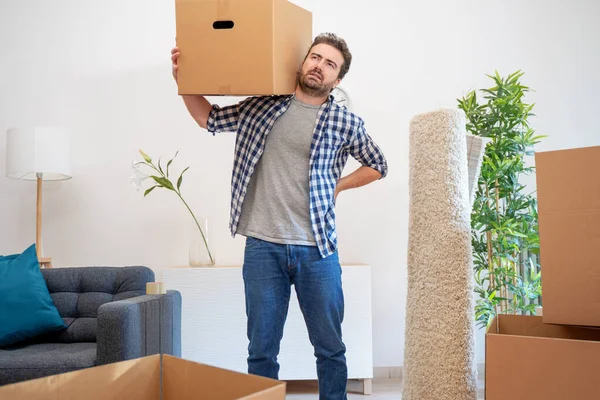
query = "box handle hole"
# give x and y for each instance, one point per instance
(223, 25)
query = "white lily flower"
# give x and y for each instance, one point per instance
(138, 175)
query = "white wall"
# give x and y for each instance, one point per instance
(102, 69)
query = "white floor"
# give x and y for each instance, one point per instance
(383, 389)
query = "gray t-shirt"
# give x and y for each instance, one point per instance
(276, 206)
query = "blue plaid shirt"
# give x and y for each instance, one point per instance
(338, 133)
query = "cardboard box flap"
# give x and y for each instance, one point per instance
(137, 379)
(533, 326)
(184, 380)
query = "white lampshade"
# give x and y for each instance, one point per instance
(38, 150)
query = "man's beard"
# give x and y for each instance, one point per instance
(312, 87)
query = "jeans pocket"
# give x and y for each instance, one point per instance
(252, 242)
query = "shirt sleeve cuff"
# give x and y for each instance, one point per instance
(381, 168)
(210, 122)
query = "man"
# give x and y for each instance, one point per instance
(289, 155)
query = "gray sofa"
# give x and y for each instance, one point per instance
(109, 319)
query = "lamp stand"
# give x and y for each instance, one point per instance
(45, 262)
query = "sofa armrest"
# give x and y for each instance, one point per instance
(138, 327)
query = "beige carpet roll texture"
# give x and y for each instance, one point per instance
(439, 361)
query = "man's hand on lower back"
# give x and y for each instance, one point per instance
(361, 177)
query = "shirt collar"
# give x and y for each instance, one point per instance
(328, 103)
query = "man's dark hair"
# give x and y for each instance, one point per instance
(333, 40)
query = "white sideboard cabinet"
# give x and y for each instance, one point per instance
(214, 322)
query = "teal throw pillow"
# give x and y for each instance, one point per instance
(26, 308)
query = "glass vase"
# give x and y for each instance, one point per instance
(200, 254)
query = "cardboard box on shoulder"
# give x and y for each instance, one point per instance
(148, 378)
(568, 190)
(240, 47)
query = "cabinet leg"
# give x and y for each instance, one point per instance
(367, 386)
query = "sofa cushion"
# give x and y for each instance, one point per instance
(18, 363)
(27, 307)
(78, 293)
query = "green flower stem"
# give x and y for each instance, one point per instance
(198, 225)
(178, 192)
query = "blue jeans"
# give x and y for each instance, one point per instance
(269, 271)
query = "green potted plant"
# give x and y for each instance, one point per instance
(504, 220)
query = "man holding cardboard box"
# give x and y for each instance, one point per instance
(289, 156)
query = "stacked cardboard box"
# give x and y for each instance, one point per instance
(557, 356)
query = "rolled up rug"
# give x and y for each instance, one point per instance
(439, 360)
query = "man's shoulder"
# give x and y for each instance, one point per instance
(265, 100)
(342, 113)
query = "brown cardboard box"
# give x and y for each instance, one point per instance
(568, 187)
(240, 47)
(147, 378)
(529, 360)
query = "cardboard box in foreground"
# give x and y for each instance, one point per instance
(240, 47)
(147, 378)
(526, 359)
(568, 190)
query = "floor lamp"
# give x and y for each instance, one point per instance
(40, 154)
